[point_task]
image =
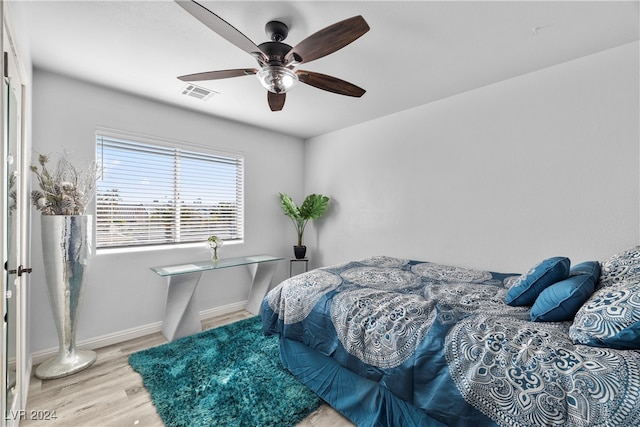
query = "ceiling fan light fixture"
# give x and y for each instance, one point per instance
(277, 79)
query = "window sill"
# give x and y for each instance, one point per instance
(157, 248)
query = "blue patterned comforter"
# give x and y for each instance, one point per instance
(442, 339)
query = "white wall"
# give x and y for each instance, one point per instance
(500, 177)
(122, 293)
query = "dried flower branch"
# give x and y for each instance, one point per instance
(66, 190)
(13, 195)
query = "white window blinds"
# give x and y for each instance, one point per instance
(154, 194)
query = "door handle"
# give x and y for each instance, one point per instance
(21, 270)
(24, 270)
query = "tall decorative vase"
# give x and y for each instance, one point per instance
(66, 247)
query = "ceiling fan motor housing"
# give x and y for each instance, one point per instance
(275, 52)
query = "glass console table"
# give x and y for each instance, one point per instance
(181, 316)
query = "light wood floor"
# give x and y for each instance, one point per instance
(110, 393)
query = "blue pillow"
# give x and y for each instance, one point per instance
(591, 268)
(610, 318)
(527, 287)
(622, 266)
(562, 300)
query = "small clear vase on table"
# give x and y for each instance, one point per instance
(214, 243)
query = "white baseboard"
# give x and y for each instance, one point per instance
(129, 334)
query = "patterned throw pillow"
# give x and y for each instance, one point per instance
(527, 287)
(562, 300)
(610, 318)
(622, 266)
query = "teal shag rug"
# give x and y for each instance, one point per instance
(227, 376)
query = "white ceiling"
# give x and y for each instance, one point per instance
(415, 53)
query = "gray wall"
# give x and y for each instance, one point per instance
(500, 177)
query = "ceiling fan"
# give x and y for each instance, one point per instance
(278, 60)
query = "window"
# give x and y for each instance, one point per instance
(154, 194)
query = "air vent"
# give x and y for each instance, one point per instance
(198, 92)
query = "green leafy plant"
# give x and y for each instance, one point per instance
(313, 207)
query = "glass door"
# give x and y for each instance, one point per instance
(12, 109)
(14, 209)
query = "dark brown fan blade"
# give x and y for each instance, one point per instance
(216, 75)
(329, 83)
(220, 26)
(328, 40)
(276, 100)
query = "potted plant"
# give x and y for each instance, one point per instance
(313, 207)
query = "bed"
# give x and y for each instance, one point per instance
(395, 342)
